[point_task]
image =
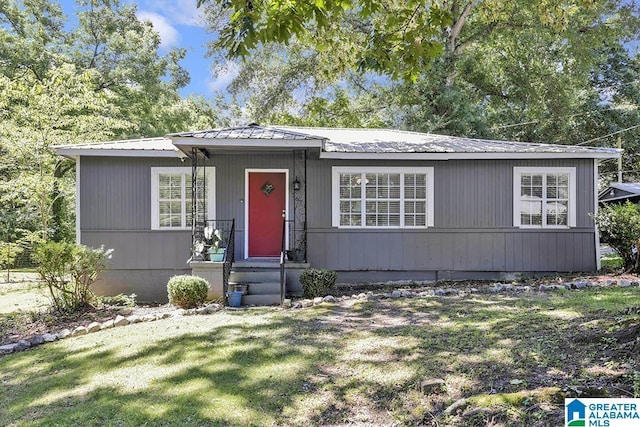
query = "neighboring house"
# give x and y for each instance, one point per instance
(620, 192)
(372, 204)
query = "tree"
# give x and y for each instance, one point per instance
(65, 84)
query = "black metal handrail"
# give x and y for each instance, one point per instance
(229, 257)
(283, 258)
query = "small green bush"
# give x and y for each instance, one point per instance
(69, 270)
(619, 226)
(120, 300)
(187, 291)
(317, 282)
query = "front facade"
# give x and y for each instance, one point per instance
(374, 205)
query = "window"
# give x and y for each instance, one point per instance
(382, 197)
(171, 198)
(544, 197)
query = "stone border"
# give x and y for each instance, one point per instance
(490, 289)
(493, 288)
(119, 320)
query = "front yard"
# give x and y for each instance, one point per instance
(512, 358)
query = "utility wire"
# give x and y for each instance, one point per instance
(608, 135)
(552, 118)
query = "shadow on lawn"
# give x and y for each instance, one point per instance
(329, 364)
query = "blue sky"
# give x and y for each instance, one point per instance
(180, 24)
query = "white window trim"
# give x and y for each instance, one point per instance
(335, 193)
(210, 172)
(517, 173)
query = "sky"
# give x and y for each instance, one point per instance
(180, 24)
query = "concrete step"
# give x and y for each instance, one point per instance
(256, 276)
(263, 288)
(268, 299)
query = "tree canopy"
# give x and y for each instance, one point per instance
(101, 78)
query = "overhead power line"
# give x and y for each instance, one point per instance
(608, 135)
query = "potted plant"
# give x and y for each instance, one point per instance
(214, 238)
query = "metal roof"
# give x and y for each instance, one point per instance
(398, 141)
(631, 187)
(244, 132)
(160, 146)
(337, 143)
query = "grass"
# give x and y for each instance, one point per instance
(363, 362)
(22, 296)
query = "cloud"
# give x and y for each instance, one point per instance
(168, 34)
(224, 76)
(181, 12)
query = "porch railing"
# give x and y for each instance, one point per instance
(214, 240)
(283, 248)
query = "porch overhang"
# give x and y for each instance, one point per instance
(231, 146)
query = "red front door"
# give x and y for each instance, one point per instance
(267, 198)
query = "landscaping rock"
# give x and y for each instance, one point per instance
(474, 290)
(174, 313)
(297, 304)
(63, 334)
(497, 287)
(396, 294)
(213, 307)
(317, 300)
(8, 349)
(134, 319)
(120, 321)
(362, 296)
(306, 303)
(94, 326)
(439, 292)
(36, 340)
(544, 288)
(80, 330)
(431, 386)
(624, 283)
(455, 406)
(49, 337)
(107, 325)
(406, 294)
(329, 298)
(22, 345)
(286, 303)
(164, 315)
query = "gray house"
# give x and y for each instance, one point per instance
(372, 204)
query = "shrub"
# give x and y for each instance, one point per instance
(317, 282)
(187, 291)
(619, 226)
(69, 270)
(120, 300)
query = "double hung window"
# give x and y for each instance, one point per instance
(172, 199)
(544, 197)
(368, 197)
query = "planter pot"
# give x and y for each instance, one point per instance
(298, 255)
(234, 298)
(295, 255)
(216, 255)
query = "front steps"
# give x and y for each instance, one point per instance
(262, 277)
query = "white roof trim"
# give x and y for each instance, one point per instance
(467, 156)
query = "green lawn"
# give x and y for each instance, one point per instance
(22, 293)
(330, 364)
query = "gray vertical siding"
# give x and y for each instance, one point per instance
(472, 232)
(473, 224)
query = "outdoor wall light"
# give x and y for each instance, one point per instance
(296, 184)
